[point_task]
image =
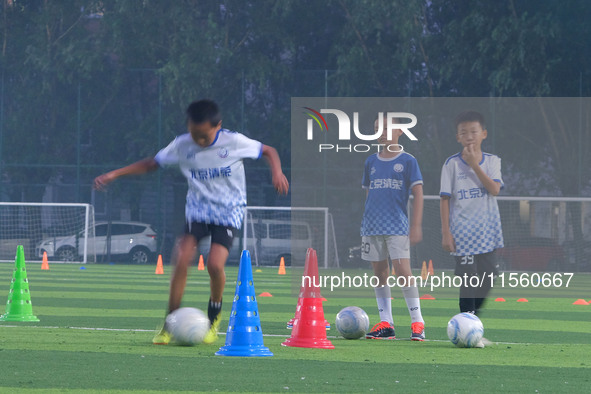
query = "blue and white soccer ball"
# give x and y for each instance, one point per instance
(352, 322)
(465, 330)
(188, 326)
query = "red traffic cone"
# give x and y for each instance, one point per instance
(311, 272)
(281, 270)
(309, 324)
(424, 273)
(45, 263)
(311, 284)
(309, 328)
(159, 266)
(200, 266)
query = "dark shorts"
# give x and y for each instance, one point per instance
(476, 264)
(222, 235)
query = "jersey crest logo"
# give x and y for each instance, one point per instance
(398, 167)
(190, 155)
(373, 171)
(223, 153)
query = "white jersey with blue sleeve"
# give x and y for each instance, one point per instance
(215, 175)
(474, 218)
(389, 182)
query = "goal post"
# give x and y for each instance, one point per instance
(274, 232)
(65, 231)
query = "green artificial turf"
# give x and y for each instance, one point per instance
(96, 327)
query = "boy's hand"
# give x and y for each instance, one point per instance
(101, 181)
(470, 156)
(448, 243)
(415, 235)
(280, 183)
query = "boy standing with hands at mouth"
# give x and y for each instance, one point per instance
(470, 219)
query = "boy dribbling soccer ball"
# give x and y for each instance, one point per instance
(211, 159)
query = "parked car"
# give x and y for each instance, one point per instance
(531, 254)
(135, 240)
(270, 240)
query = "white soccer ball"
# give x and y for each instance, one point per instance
(352, 322)
(465, 330)
(188, 326)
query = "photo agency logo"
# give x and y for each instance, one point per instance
(402, 121)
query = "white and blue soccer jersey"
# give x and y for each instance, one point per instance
(474, 218)
(389, 182)
(215, 174)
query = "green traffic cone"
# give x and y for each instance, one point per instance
(18, 306)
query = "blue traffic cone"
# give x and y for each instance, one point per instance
(244, 337)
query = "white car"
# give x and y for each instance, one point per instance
(133, 239)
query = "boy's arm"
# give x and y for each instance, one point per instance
(491, 186)
(139, 167)
(416, 230)
(447, 241)
(278, 178)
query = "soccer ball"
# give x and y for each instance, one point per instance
(465, 330)
(352, 322)
(188, 326)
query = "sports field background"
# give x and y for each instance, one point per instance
(97, 324)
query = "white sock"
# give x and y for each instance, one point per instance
(383, 297)
(411, 296)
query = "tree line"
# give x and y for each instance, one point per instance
(105, 82)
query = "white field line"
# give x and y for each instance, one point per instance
(223, 333)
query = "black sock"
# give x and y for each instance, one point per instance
(467, 300)
(213, 310)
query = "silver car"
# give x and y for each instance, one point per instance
(133, 239)
(268, 241)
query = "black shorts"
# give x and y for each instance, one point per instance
(476, 264)
(222, 235)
